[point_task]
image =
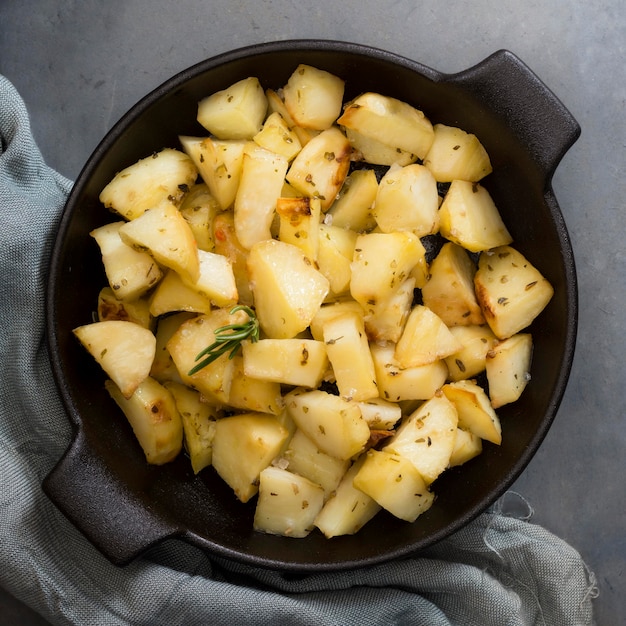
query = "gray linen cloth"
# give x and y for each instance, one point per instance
(500, 570)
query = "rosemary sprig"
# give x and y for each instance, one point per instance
(228, 338)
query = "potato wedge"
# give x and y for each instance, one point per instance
(299, 224)
(353, 207)
(198, 419)
(163, 368)
(124, 350)
(276, 136)
(154, 418)
(470, 360)
(173, 294)
(199, 208)
(385, 319)
(191, 338)
(253, 394)
(377, 152)
(227, 244)
(216, 281)
(467, 445)
(334, 258)
(110, 308)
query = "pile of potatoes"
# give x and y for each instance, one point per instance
(312, 211)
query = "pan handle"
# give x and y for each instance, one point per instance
(531, 110)
(112, 518)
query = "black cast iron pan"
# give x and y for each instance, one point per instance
(103, 484)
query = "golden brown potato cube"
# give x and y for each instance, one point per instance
(353, 207)
(236, 112)
(427, 437)
(243, 446)
(164, 232)
(300, 223)
(321, 166)
(395, 483)
(154, 418)
(469, 217)
(407, 199)
(425, 339)
(471, 358)
(390, 121)
(288, 290)
(288, 503)
(199, 208)
(456, 155)
(333, 423)
(474, 410)
(508, 368)
(124, 350)
(163, 177)
(219, 162)
(449, 291)
(313, 97)
(510, 290)
(130, 273)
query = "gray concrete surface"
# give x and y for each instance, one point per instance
(79, 64)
